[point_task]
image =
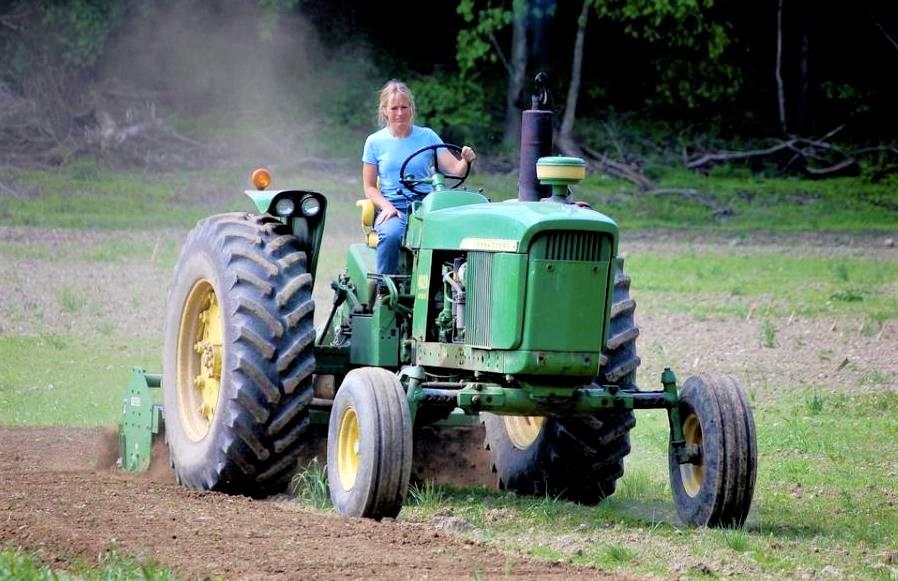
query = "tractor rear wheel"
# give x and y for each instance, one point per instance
(369, 445)
(715, 489)
(579, 459)
(238, 356)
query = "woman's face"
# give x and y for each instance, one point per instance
(399, 113)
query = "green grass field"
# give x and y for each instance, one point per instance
(826, 502)
(83, 195)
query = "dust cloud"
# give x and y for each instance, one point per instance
(256, 84)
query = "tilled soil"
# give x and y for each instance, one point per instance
(53, 502)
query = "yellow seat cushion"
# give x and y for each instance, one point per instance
(368, 208)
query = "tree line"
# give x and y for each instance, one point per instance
(803, 72)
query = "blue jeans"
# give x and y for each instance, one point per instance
(389, 240)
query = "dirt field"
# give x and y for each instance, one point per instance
(54, 501)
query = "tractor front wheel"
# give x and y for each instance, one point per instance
(582, 458)
(715, 489)
(578, 459)
(369, 445)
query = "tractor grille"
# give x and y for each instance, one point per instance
(571, 245)
(478, 284)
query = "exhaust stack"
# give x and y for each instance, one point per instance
(536, 142)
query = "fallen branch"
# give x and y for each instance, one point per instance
(802, 148)
(835, 168)
(612, 168)
(718, 157)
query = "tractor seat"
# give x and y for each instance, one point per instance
(367, 207)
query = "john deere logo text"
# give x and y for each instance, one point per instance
(489, 244)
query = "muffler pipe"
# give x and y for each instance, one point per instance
(536, 142)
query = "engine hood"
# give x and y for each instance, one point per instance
(506, 226)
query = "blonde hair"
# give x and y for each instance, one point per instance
(394, 87)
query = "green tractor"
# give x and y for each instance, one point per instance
(516, 315)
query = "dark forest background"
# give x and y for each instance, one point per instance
(792, 85)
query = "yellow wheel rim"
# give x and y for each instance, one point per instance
(692, 474)
(200, 355)
(348, 449)
(523, 430)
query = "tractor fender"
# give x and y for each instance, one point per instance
(308, 229)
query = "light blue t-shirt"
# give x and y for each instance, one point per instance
(388, 153)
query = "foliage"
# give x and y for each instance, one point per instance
(347, 94)
(691, 64)
(473, 45)
(692, 68)
(453, 107)
(67, 35)
(15, 564)
(426, 495)
(309, 485)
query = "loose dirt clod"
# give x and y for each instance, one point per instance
(160, 464)
(107, 448)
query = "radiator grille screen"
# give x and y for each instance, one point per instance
(478, 282)
(579, 246)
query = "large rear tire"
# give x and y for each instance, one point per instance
(716, 489)
(238, 358)
(369, 445)
(579, 459)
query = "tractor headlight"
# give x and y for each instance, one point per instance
(310, 206)
(284, 207)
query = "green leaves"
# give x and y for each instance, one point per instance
(692, 45)
(696, 70)
(476, 44)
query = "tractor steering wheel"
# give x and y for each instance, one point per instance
(410, 181)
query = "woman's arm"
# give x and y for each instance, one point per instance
(369, 183)
(456, 167)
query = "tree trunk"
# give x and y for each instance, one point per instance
(804, 114)
(781, 95)
(566, 134)
(517, 74)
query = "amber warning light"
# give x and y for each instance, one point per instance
(261, 178)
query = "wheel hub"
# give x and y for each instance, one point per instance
(348, 441)
(523, 430)
(693, 474)
(200, 355)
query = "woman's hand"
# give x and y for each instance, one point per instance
(386, 212)
(454, 167)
